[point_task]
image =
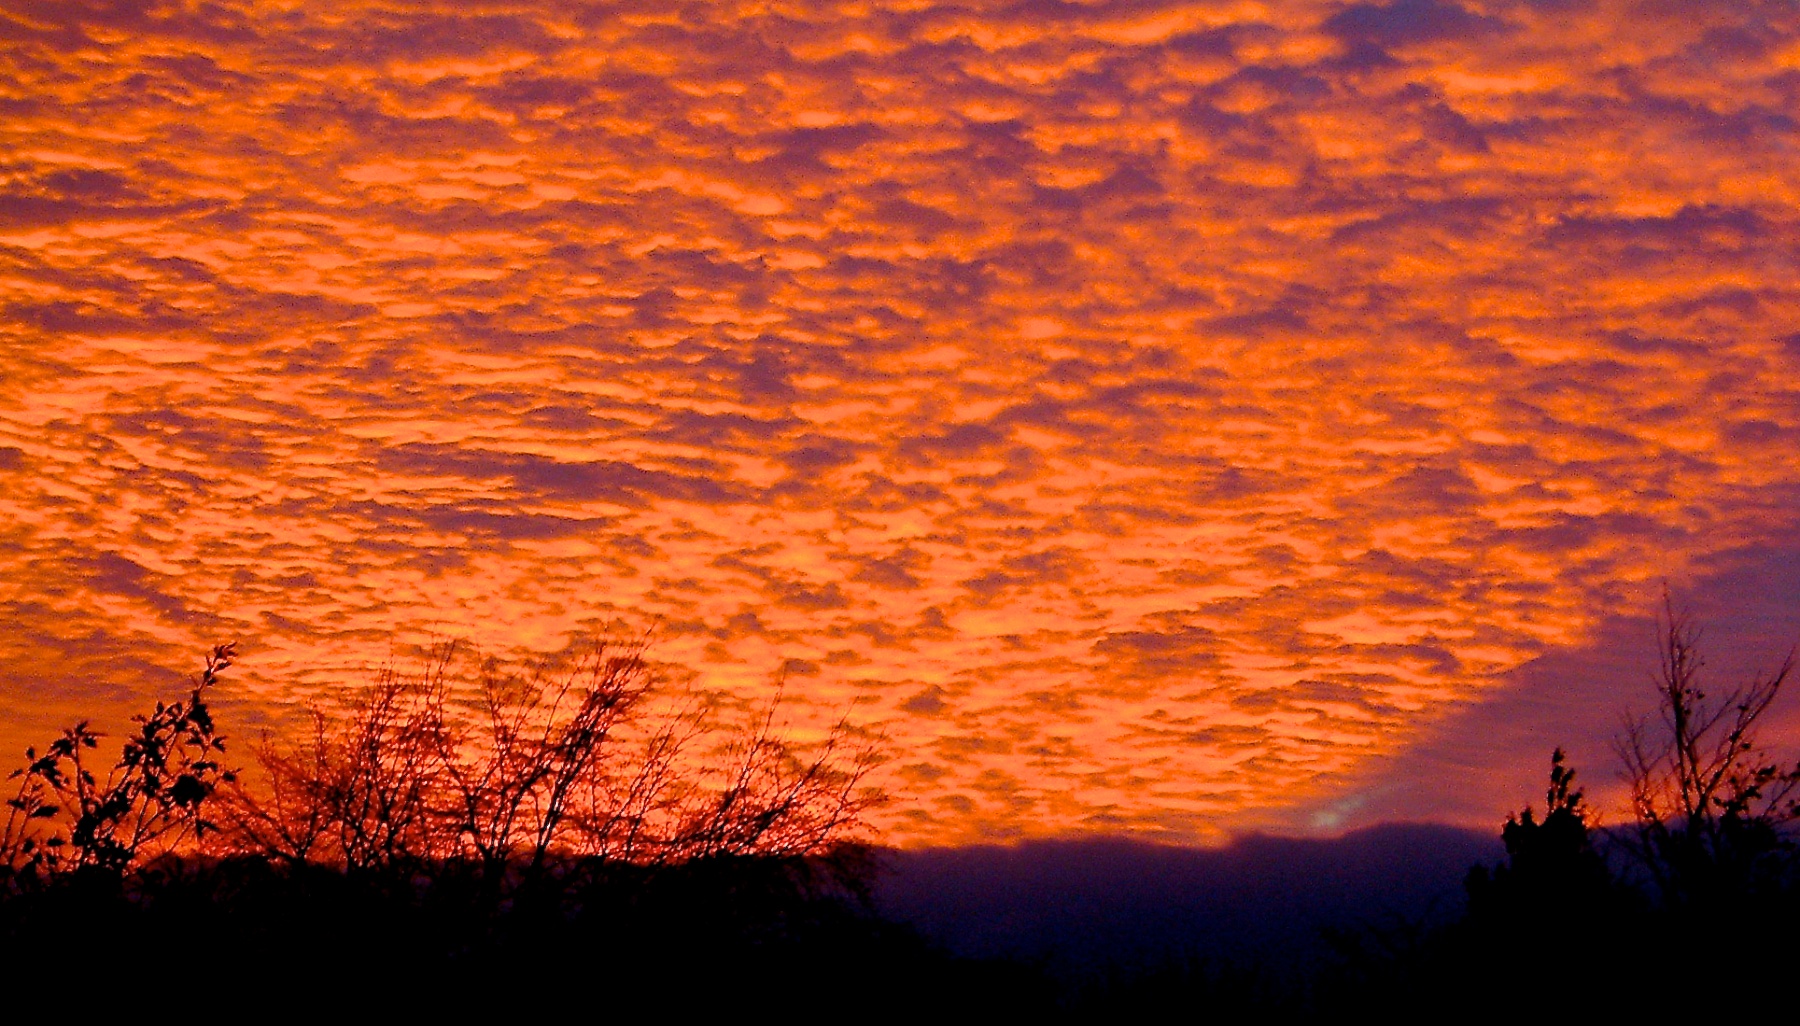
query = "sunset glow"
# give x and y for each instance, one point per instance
(1151, 415)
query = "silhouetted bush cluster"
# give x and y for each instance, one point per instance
(446, 843)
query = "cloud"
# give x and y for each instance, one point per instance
(1406, 22)
(1176, 410)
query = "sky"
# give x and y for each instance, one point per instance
(1161, 419)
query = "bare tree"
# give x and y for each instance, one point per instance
(363, 791)
(775, 799)
(1711, 809)
(519, 768)
(516, 762)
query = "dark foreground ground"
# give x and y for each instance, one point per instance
(1375, 922)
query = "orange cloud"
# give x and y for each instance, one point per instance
(1153, 414)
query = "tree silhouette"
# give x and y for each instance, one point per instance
(1553, 876)
(1544, 927)
(1711, 810)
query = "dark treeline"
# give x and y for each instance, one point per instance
(458, 839)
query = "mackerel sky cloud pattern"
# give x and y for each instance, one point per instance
(1151, 414)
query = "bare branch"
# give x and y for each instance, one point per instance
(1709, 808)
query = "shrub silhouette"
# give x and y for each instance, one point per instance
(519, 769)
(64, 818)
(451, 832)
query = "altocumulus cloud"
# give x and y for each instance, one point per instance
(1154, 412)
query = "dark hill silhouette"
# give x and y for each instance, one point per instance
(1092, 907)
